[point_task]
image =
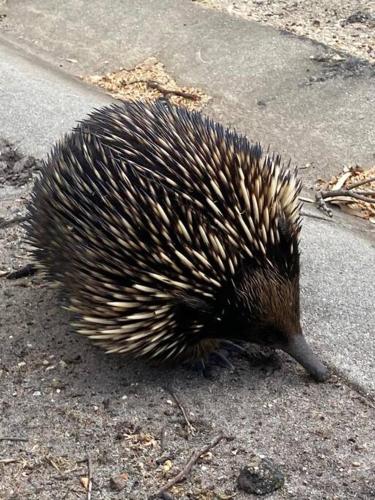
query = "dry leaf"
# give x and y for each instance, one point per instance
(341, 181)
(167, 466)
(84, 482)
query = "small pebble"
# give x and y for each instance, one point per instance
(260, 477)
(57, 384)
(119, 481)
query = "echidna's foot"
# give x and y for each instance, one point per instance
(235, 347)
(265, 358)
(220, 358)
(28, 270)
(207, 355)
(200, 366)
(205, 366)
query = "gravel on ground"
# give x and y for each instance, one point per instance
(344, 25)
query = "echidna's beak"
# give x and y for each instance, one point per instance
(299, 349)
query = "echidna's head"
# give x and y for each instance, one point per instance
(266, 311)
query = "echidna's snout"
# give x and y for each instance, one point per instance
(299, 349)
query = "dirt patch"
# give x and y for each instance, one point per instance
(16, 173)
(149, 80)
(15, 169)
(335, 64)
(342, 25)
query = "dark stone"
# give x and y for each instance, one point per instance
(162, 496)
(119, 482)
(359, 17)
(260, 477)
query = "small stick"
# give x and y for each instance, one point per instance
(55, 466)
(190, 426)
(11, 438)
(89, 486)
(8, 460)
(314, 216)
(365, 193)
(163, 433)
(166, 92)
(306, 200)
(182, 476)
(351, 194)
(322, 204)
(360, 183)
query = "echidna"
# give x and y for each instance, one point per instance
(168, 233)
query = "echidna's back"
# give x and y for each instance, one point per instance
(87, 177)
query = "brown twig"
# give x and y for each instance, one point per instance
(11, 438)
(90, 478)
(346, 193)
(190, 427)
(322, 204)
(152, 84)
(306, 200)
(54, 465)
(195, 456)
(8, 460)
(163, 434)
(361, 183)
(314, 216)
(365, 193)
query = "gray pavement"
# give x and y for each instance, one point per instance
(263, 82)
(338, 298)
(37, 103)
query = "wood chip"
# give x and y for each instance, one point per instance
(144, 82)
(84, 482)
